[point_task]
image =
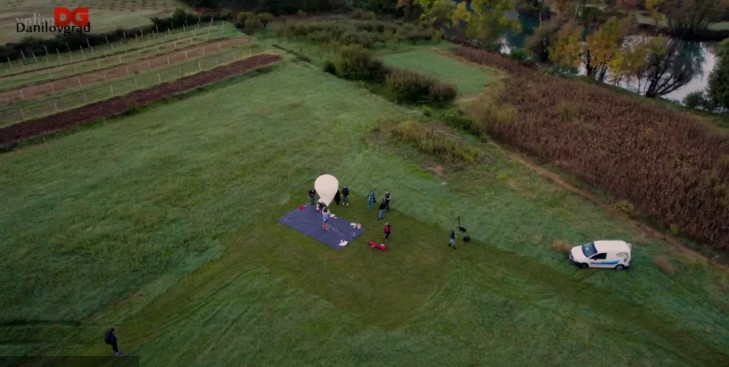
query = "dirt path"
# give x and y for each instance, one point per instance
(639, 226)
(119, 71)
(118, 105)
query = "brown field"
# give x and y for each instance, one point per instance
(115, 72)
(673, 166)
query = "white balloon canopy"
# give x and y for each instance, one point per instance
(326, 186)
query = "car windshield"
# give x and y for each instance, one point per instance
(589, 249)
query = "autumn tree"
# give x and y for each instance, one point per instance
(603, 45)
(567, 48)
(689, 18)
(461, 16)
(657, 65)
(543, 39)
(569, 9)
(489, 19)
(595, 53)
(718, 89)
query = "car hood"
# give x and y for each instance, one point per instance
(576, 253)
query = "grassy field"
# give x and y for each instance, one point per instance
(58, 66)
(163, 223)
(104, 15)
(68, 99)
(469, 79)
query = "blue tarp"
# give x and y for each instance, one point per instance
(306, 220)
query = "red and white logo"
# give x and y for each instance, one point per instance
(65, 16)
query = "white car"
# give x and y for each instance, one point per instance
(602, 254)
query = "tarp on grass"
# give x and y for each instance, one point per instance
(306, 220)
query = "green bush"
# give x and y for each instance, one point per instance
(625, 206)
(363, 15)
(519, 54)
(353, 32)
(694, 99)
(252, 25)
(437, 142)
(357, 63)
(266, 18)
(330, 68)
(455, 119)
(242, 17)
(411, 87)
(698, 100)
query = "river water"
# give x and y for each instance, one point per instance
(702, 50)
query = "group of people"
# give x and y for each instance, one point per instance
(384, 207)
(384, 204)
(342, 197)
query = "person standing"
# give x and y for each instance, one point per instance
(387, 200)
(345, 195)
(312, 193)
(371, 200)
(452, 240)
(325, 219)
(387, 231)
(337, 197)
(383, 206)
(110, 339)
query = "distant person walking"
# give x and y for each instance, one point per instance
(110, 339)
(388, 197)
(371, 200)
(452, 240)
(337, 197)
(312, 193)
(345, 195)
(387, 231)
(383, 206)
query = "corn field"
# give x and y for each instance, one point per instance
(671, 165)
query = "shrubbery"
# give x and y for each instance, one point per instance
(356, 63)
(698, 100)
(436, 142)
(352, 32)
(411, 87)
(562, 246)
(455, 119)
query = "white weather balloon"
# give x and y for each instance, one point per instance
(326, 186)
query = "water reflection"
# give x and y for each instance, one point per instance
(700, 54)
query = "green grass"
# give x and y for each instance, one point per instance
(80, 96)
(469, 79)
(163, 224)
(719, 26)
(104, 15)
(62, 65)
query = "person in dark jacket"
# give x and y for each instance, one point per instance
(345, 195)
(387, 231)
(383, 206)
(311, 196)
(452, 240)
(337, 197)
(110, 339)
(387, 200)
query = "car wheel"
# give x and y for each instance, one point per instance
(620, 267)
(584, 266)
